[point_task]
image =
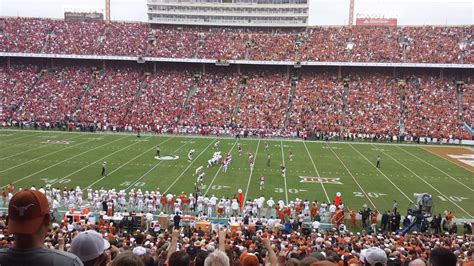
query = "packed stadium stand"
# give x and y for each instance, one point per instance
(262, 99)
(426, 44)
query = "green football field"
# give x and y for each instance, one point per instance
(317, 172)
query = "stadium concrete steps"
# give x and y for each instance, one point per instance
(191, 92)
(344, 106)
(21, 106)
(86, 89)
(291, 94)
(141, 87)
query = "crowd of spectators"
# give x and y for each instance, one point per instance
(264, 100)
(112, 93)
(55, 95)
(160, 103)
(261, 100)
(214, 100)
(373, 104)
(34, 234)
(15, 82)
(317, 102)
(426, 44)
(73, 37)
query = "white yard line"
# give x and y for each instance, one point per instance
(41, 146)
(317, 172)
(448, 175)
(124, 164)
(93, 163)
(251, 171)
(48, 154)
(155, 166)
(284, 177)
(65, 160)
(218, 170)
(353, 178)
(457, 164)
(427, 183)
(386, 177)
(189, 166)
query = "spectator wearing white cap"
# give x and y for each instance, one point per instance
(90, 247)
(374, 256)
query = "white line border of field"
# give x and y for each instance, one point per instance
(276, 139)
(424, 181)
(124, 164)
(284, 176)
(251, 171)
(386, 177)
(317, 172)
(186, 169)
(65, 160)
(218, 170)
(448, 175)
(353, 178)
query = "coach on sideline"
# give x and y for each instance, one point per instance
(28, 219)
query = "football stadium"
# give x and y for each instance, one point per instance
(237, 132)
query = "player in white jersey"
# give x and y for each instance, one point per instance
(65, 197)
(262, 182)
(49, 196)
(192, 202)
(79, 197)
(290, 155)
(283, 170)
(131, 199)
(216, 145)
(239, 148)
(200, 179)
(177, 206)
(200, 204)
(266, 146)
(140, 201)
(90, 195)
(198, 170)
(190, 155)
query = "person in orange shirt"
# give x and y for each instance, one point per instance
(373, 221)
(353, 218)
(164, 202)
(314, 210)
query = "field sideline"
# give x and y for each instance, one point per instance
(318, 169)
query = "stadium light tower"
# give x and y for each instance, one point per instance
(462, 46)
(351, 13)
(107, 11)
(349, 46)
(404, 43)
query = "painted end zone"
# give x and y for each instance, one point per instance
(460, 156)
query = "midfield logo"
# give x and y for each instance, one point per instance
(56, 142)
(326, 180)
(167, 158)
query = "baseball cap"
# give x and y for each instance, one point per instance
(374, 255)
(88, 245)
(26, 212)
(248, 259)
